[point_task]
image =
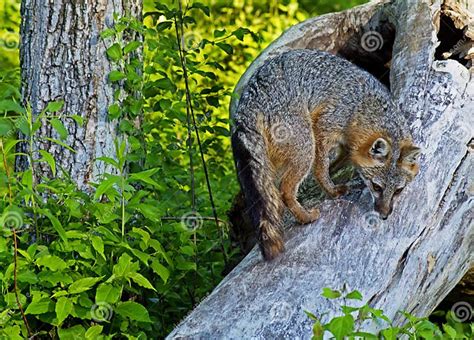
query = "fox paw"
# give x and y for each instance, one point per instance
(339, 190)
(310, 216)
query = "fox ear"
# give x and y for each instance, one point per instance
(410, 154)
(379, 149)
(408, 159)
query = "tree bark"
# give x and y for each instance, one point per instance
(63, 58)
(410, 261)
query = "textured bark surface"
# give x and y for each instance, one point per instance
(63, 58)
(412, 260)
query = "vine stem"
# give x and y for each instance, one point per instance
(204, 218)
(190, 109)
(7, 171)
(15, 282)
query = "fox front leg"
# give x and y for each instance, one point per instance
(321, 172)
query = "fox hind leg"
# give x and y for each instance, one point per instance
(297, 168)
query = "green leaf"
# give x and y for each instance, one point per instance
(54, 106)
(23, 126)
(109, 160)
(133, 311)
(144, 234)
(59, 127)
(213, 101)
(123, 266)
(391, 333)
(36, 126)
(165, 84)
(84, 284)
(114, 52)
(354, 295)
(186, 265)
(106, 185)
(225, 47)
(140, 280)
(9, 145)
(51, 262)
(161, 270)
(202, 7)
(164, 25)
(450, 331)
(187, 250)
(311, 315)
(75, 332)
(131, 46)
(116, 76)
(144, 257)
(98, 245)
(114, 111)
(10, 106)
(149, 211)
(39, 307)
(109, 32)
(48, 158)
(144, 176)
(364, 335)
(330, 294)
(93, 332)
(341, 326)
(240, 33)
(56, 141)
(78, 119)
(318, 331)
(64, 307)
(219, 33)
(349, 309)
(107, 293)
(106, 232)
(6, 127)
(56, 224)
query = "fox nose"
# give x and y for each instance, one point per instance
(383, 212)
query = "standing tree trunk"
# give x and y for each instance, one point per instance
(64, 58)
(423, 50)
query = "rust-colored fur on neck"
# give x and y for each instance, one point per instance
(360, 140)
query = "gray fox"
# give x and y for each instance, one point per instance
(294, 111)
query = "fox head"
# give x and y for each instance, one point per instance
(386, 166)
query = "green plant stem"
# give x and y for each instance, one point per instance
(182, 58)
(123, 203)
(15, 281)
(7, 171)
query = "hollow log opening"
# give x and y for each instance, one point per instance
(451, 41)
(371, 49)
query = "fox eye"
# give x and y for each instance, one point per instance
(398, 191)
(377, 187)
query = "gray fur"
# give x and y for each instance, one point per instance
(282, 96)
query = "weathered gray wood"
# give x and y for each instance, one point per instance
(63, 58)
(408, 262)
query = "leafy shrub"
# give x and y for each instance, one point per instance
(133, 257)
(362, 316)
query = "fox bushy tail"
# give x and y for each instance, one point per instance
(256, 177)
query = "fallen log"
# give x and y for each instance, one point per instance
(412, 260)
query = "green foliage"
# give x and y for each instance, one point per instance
(362, 316)
(9, 34)
(134, 256)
